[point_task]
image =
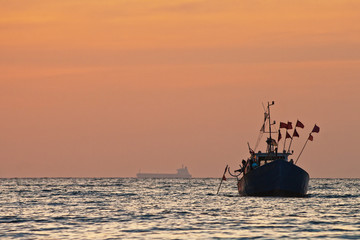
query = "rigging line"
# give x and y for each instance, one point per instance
(263, 106)
(258, 140)
(262, 130)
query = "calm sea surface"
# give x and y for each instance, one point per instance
(128, 208)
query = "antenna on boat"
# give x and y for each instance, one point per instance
(250, 150)
(263, 106)
(269, 116)
(269, 140)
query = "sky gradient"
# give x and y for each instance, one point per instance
(108, 88)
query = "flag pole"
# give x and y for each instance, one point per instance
(316, 129)
(279, 135)
(291, 139)
(222, 179)
(302, 149)
(285, 140)
(290, 143)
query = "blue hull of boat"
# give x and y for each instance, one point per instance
(278, 178)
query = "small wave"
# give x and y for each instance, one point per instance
(60, 218)
(339, 196)
(182, 213)
(56, 204)
(161, 229)
(47, 190)
(14, 219)
(126, 194)
(75, 193)
(165, 212)
(137, 230)
(151, 217)
(51, 229)
(231, 195)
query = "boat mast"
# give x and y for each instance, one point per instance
(269, 119)
(269, 140)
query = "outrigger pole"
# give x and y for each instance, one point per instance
(222, 179)
(303, 148)
(316, 129)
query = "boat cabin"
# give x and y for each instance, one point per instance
(264, 158)
(260, 159)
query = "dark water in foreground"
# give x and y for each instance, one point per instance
(127, 208)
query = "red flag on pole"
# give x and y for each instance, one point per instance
(224, 178)
(299, 124)
(310, 137)
(279, 136)
(289, 125)
(283, 125)
(287, 135)
(316, 129)
(295, 134)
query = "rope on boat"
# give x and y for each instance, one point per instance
(233, 175)
(258, 140)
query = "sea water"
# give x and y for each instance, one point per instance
(129, 208)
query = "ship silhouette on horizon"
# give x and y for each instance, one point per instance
(181, 173)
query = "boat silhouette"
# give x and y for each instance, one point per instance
(271, 173)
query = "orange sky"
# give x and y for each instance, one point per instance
(105, 88)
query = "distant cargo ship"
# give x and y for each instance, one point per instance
(181, 173)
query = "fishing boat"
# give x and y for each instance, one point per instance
(181, 173)
(272, 173)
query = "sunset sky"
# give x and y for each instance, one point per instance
(107, 88)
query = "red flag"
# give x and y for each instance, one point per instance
(287, 135)
(289, 125)
(299, 124)
(223, 177)
(295, 134)
(279, 136)
(316, 129)
(311, 137)
(283, 125)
